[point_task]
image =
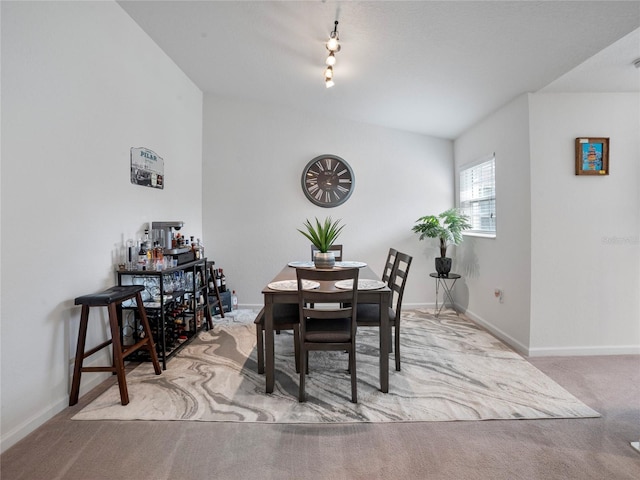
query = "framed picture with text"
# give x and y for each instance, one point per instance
(592, 156)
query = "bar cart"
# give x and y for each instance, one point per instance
(176, 301)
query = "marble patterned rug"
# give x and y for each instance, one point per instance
(451, 370)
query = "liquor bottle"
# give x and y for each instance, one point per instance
(200, 249)
(234, 300)
(158, 256)
(147, 242)
(130, 256)
(223, 281)
(218, 280)
(142, 256)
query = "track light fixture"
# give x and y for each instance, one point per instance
(333, 45)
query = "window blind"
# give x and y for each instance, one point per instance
(478, 195)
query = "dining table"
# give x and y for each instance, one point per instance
(283, 289)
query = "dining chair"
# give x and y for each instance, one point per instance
(369, 314)
(388, 266)
(327, 325)
(337, 249)
(285, 317)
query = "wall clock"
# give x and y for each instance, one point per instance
(327, 181)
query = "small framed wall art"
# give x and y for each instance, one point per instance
(147, 168)
(592, 156)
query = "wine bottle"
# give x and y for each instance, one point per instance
(223, 281)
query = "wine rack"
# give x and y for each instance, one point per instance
(176, 302)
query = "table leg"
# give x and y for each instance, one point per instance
(268, 340)
(384, 343)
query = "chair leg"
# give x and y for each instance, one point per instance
(303, 368)
(306, 356)
(354, 380)
(296, 346)
(77, 368)
(397, 354)
(148, 333)
(260, 347)
(118, 361)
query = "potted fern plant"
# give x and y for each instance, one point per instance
(322, 235)
(447, 228)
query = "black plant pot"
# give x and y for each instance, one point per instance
(443, 266)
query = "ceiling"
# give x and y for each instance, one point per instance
(433, 67)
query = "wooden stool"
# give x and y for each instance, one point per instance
(112, 299)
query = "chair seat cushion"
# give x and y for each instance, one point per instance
(112, 295)
(369, 314)
(283, 314)
(335, 330)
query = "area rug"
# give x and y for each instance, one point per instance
(451, 370)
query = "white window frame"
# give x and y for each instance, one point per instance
(480, 200)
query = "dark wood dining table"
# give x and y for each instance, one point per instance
(379, 296)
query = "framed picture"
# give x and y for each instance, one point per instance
(147, 168)
(592, 156)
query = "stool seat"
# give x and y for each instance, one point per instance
(111, 295)
(112, 298)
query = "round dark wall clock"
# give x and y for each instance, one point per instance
(327, 181)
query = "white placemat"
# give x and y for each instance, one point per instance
(351, 264)
(300, 264)
(293, 285)
(363, 284)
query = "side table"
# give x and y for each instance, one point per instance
(441, 281)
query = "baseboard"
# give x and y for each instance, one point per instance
(13, 436)
(418, 306)
(584, 351)
(505, 337)
(554, 351)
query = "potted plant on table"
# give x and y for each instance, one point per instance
(448, 228)
(322, 235)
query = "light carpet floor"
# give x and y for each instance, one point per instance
(451, 370)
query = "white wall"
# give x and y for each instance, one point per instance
(81, 84)
(254, 155)
(585, 280)
(504, 261)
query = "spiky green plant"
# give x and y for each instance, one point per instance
(323, 234)
(447, 227)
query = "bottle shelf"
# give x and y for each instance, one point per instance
(169, 309)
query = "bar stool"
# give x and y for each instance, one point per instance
(112, 299)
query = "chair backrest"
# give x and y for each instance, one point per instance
(388, 266)
(336, 249)
(313, 303)
(398, 280)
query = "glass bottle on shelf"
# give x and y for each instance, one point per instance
(158, 256)
(200, 253)
(234, 300)
(218, 280)
(131, 258)
(142, 256)
(223, 281)
(147, 246)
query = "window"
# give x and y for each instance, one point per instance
(478, 195)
